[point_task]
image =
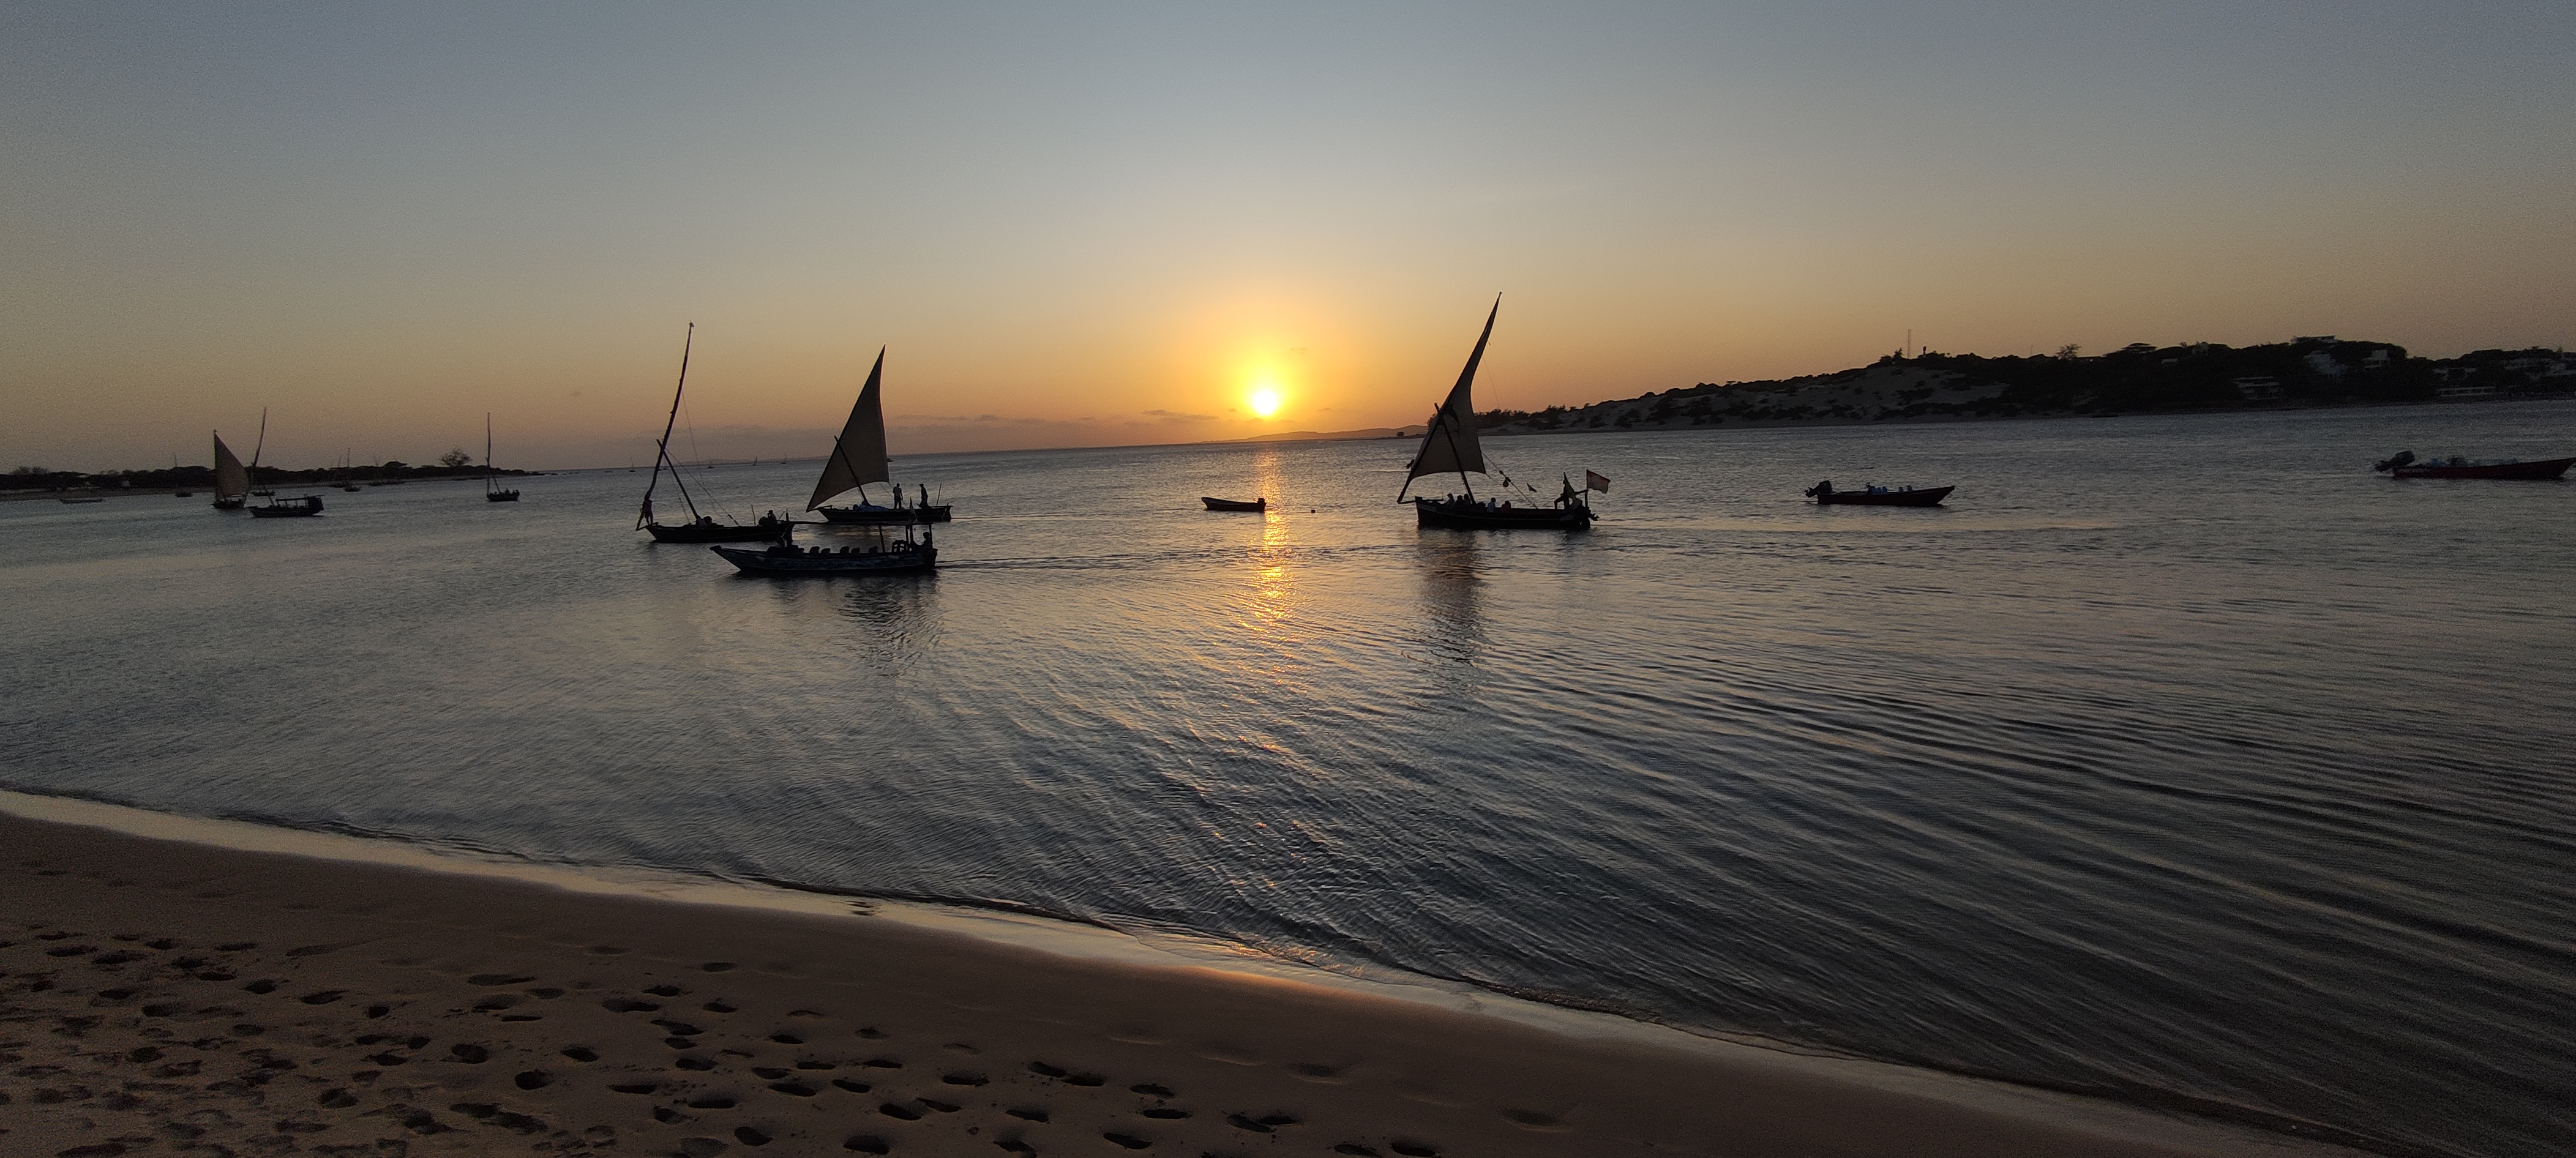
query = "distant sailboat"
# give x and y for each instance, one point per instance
(1450, 446)
(493, 492)
(232, 480)
(700, 528)
(859, 458)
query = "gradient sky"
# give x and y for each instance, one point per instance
(1101, 224)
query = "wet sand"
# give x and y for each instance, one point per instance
(164, 996)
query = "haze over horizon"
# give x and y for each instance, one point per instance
(1111, 225)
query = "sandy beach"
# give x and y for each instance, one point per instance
(176, 997)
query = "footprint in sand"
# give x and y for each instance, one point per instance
(853, 1087)
(581, 1053)
(628, 1005)
(716, 966)
(749, 1137)
(473, 1055)
(664, 991)
(533, 1080)
(717, 1007)
(871, 1144)
(694, 1063)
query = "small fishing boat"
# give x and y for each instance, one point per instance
(297, 507)
(2404, 464)
(700, 528)
(1450, 445)
(787, 560)
(493, 491)
(1261, 504)
(96, 499)
(1825, 495)
(859, 458)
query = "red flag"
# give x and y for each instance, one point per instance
(1596, 481)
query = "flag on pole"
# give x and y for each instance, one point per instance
(1594, 480)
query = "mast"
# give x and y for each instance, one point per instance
(256, 447)
(662, 449)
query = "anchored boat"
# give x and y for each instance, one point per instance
(493, 491)
(2404, 464)
(1450, 446)
(1260, 504)
(1825, 495)
(700, 528)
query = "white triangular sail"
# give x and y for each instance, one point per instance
(859, 455)
(1450, 445)
(231, 480)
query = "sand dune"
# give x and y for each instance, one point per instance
(168, 997)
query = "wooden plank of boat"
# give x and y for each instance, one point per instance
(1906, 497)
(785, 561)
(2541, 469)
(1259, 504)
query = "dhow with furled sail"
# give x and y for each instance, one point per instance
(1450, 446)
(859, 458)
(700, 528)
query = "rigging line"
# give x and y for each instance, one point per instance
(690, 418)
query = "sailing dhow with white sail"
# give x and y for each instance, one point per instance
(232, 480)
(1450, 447)
(859, 458)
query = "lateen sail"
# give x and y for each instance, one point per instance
(231, 480)
(1450, 445)
(859, 455)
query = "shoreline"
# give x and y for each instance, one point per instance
(398, 998)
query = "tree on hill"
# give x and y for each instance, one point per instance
(455, 458)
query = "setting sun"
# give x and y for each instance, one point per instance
(1265, 401)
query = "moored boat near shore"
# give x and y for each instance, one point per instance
(1825, 495)
(2404, 464)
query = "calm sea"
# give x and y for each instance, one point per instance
(2179, 758)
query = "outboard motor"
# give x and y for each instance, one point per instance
(2394, 461)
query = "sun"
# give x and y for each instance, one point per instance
(1265, 401)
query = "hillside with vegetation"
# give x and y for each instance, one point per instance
(2136, 379)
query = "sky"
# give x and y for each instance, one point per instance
(1110, 224)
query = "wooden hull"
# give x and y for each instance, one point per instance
(1928, 497)
(2544, 469)
(1261, 504)
(303, 508)
(1475, 516)
(885, 516)
(795, 563)
(759, 532)
(231, 504)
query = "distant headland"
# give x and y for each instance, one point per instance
(1929, 386)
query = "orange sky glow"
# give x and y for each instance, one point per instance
(1113, 225)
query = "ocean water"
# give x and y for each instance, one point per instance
(2180, 759)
